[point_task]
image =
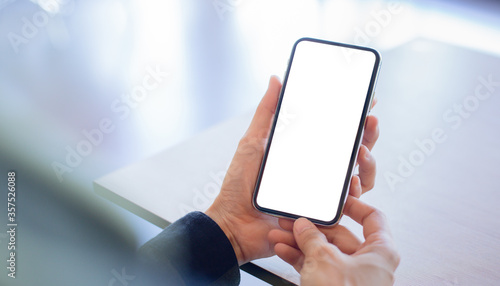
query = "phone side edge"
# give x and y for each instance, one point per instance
(366, 110)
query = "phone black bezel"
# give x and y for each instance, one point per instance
(356, 145)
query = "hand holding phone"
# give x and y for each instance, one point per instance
(247, 228)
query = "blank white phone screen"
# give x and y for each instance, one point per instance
(321, 110)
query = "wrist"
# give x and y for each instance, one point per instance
(225, 226)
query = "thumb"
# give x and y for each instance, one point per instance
(308, 236)
(261, 122)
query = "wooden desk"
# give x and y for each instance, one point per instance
(442, 204)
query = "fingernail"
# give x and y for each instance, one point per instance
(302, 224)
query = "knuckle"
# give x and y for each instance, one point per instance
(367, 185)
(368, 166)
(250, 144)
(378, 213)
(371, 185)
(311, 236)
(250, 147)
(322, 252)
(310, 262)
(394, 257)
(310, 266)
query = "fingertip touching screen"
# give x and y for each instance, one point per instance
(319, 123)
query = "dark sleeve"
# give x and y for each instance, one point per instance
(192, 251)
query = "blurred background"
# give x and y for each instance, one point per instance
(136, 77)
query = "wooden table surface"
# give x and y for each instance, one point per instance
(438, 178)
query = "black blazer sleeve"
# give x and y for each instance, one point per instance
(192, 251)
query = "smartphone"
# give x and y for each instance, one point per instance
(317, 130)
